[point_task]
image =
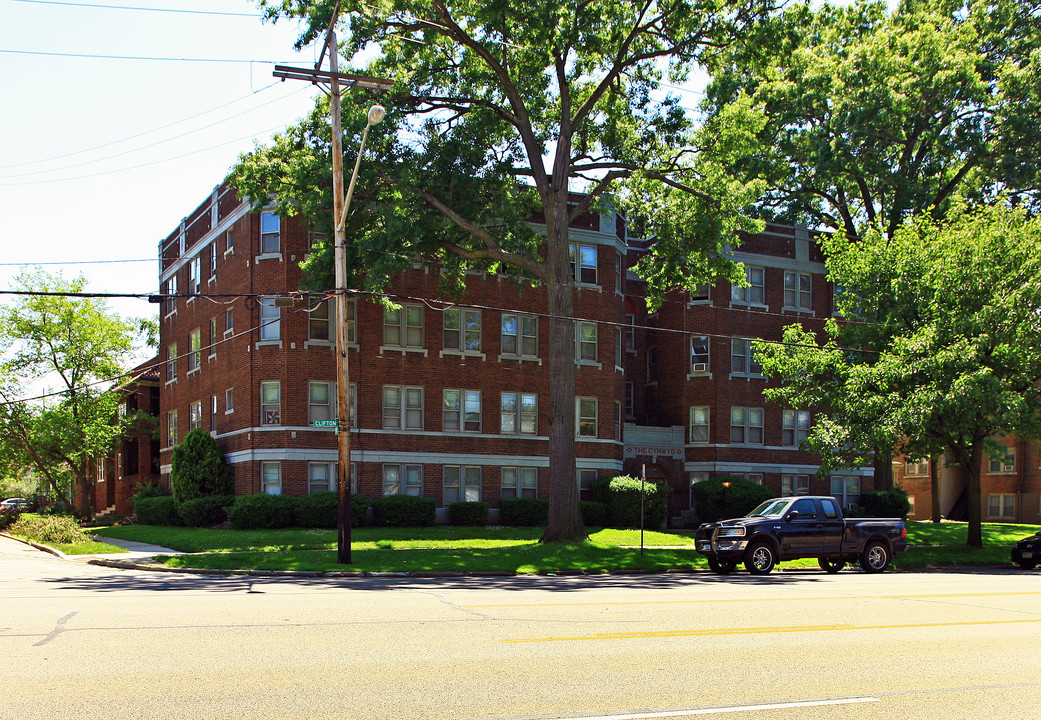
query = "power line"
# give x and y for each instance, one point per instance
(76, 262)
(141, 57)
(142, 9)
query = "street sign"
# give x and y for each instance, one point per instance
(325, 423)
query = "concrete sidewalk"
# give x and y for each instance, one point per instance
(136, 551)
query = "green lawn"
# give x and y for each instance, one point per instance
(502, 549)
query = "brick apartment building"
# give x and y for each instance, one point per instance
(450, 400)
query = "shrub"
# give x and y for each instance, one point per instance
(623, 509)
(318, 510)
(8, 517)
(205, 511)
(198, 468)
(714, 502)
(885, 503)
(256, 512)
(594, 514)
(468, 513)
(404, 511)
(159, 510)
(48, 529)
(147, 490)
(523, 511)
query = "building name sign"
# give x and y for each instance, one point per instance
(632, 451)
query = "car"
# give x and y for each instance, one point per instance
(1027, 552)
(11, 504)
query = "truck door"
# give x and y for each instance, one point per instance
(833, 526)
(802, 533)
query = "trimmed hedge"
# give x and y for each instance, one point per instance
(404, 511)
(256, 512)
(885, 503)
(714, 502)
(158, 510)
(526, 512)
(48, 529)
(205, 511)
(321, 510)
(474, 514)
(594, 514)
(623, 509)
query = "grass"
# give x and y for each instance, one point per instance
(91, 547)
(508, 549)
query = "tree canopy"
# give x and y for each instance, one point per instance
(498, 113)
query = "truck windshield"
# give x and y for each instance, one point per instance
(770, 508)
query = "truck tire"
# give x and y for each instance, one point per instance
(760, 558)
(875, 557)
(1028, 564)
(830, 565)
(721, 567)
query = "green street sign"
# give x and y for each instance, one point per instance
(325, 423)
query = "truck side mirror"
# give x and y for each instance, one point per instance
(793, 516)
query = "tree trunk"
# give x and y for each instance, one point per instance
(934, 486)
(565, 515)
(883, 465)
(974, 537)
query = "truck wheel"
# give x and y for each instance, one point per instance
(724, 567)
(1028, 564)
(875, 557)
(760, 558)
(831, 566)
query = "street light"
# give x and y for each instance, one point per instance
(376, 115)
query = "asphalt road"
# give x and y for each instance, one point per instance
(79, 641)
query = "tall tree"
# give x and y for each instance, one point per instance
(958, 302)
(499, 112)
(79, 344)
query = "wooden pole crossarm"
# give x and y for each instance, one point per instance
(313, 76)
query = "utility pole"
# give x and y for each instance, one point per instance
(343, 379)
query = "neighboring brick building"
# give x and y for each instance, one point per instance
(451, 399)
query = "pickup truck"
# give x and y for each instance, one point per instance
(799, 527)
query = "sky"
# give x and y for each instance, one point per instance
(104, 148)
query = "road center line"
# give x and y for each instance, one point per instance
(759, 599)
(733, 709)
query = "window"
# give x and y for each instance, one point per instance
(213, 260)
(213, 337)
(518, 413)
(586, 416)
(585, 342)
(746, 426)
(402, 479)
(171, 362)
(757, 478)
(270, 320)
(270, 233)
(699, 349)
(702, 295)
(618, 273)
(1001, 506)
(194, 271)
(229, 240)
(742, 358)
(462, 330)
(270, 403)
(519, 482)
(630, 333)
(321, 476)
(1004, 463)
(319, 325)
(195, 415)
(586, 478)
(846, 489)
(630, 407)
(171, 428)
(618, 421)
(520, 335)
(229, 401)
(585, 257)
(194, 352)
(271, 477)
(916, 468)
(402, 407)
(797, 291)
(652, 365)
(403, 327)
(213, 413)
(699, 424)
(795, 426)
(229, 322)
(618, 348)
(462, 484)
(321, 401)
(462, 411)
(316, 238)
(755, 292)
(796, 484)
(171, 290)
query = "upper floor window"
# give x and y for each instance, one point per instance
(194, 271)
(746, 426)
(1005, 463)
(402, 407)
(630, 333)
(171, 428)
(213, 259)
(586, 416)
(171, 291)
(583, 263)
(618, 273)
(321, 401)
(518, 413)
(702, 294)
(462, 411)
(271, 403)
(270, 232)
(270, 319)
(171, 362)
(754, 293)
(195, 415)
(699, 354)
(742, 357)
(321, 321)
(403, 326)
(229, 321)
(797, 291)
(229, 240)
(585, 341)
(630, 401)
(520, 335)
(699, 424)
(462, 330)
(795, 426)
(194, 350)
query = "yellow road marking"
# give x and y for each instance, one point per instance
(756, 599)
(765, 630)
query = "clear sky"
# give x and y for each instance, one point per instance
(103, 149)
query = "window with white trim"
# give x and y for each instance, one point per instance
(586, 478)
(171, 362)
(462, 330)
(213, 337)
(795, 427)
(916, 468)
(702, 294)
(798, 293)
(585, 256)
(229, 321)
(321, 323)
(229, 240)
(229, 401)
(213, 413)
(630, 333)
(585, 342)
(402, 407)
(321, 477)
(213, 260)
(518, 413)
(194, 350)
(461, 411)
(402, 479)
(270, 320)
(630, 393)
(171, 428)
(586, 416)
(618, 272)
(271, 477)
(321, 401)
(462, 483)
(271, 403)
(195, 415)
(171, 290)
(1001, 505)
(194, 271)
(742, 358)
(618, 347)
(754, 293)
(746, 426)
(519, 482)
(617, 421)
(270, 232)
(699, 415)
(796, 484)
(520, 335)
(403, 326)
(846, 489)
(699, 354)
(1003, 464)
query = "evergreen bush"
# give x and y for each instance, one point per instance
(205, 511)
(594, 514)
(256, 512)
(159, 510)
(523, 512)
(404, 511)
(198, 468)
(713, 501)
(473, 514)
(623, 509)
